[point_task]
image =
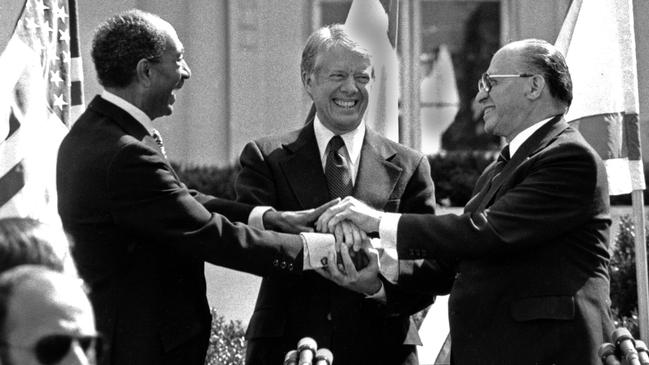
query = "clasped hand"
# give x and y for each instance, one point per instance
(349, 220)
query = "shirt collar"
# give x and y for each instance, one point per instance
(353, 140)
(131, 109)
(520, 138)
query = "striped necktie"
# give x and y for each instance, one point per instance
(337, 171)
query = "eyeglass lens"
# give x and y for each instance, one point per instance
(52, 349)
(484, 83)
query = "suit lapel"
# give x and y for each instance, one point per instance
(377, 175)
(124, 120)
(302, 168)
(537, 141)
(128, 124)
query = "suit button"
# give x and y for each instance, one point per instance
(276, 262)
(283, 265)
(329, 316)
(290, 266)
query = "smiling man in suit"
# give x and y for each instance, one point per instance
(140, 236)
(531, 247)
(335, 155)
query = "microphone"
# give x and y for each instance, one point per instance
(643, 352)
(606, 353)
(625, 343)
(291, 358)
(325, 357)
(306, 347)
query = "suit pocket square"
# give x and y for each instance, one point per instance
(546, 307)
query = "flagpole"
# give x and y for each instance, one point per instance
(409, 126)
(642, 273)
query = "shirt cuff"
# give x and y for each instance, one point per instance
(317, 247)
(379, 295)
(256, 217)
(388, 230)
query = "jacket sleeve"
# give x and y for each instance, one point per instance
(149, 201)
(554, 194)
(419, 280)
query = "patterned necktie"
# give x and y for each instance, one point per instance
(158, 139)
(337, 170)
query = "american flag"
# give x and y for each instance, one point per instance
(41, 94)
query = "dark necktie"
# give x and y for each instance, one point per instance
(502, 160)
(158, 139)
(337, 171)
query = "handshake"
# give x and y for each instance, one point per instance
(624, 350)
(350, 261)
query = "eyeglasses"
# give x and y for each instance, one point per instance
(50, 350)
(486, 81)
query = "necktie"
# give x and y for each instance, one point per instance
(158, 139)
(502, 160)
(337, 170)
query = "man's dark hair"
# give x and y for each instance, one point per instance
(26, 241)
(324, 39)
(543, 58)
(121, 42)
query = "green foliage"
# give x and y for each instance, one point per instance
(456, 173)
(211, 180)
(624, 292)
(227, 343)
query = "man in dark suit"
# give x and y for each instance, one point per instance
(532, 283)
(291, 172)
(140, 236)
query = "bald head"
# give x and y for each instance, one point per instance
(37, 303)
(540, 57)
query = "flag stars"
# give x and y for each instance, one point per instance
(65, 57)
(64, 36)
(60, 13)
(31, 24)
(56, 78)
(59, 102)
(40, 6)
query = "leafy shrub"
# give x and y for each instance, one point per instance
(211, 180)
(456, 173)
(227, 343)
(624, 292)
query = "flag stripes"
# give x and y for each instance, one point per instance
(41, 94)
(598, 41)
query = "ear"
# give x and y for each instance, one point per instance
(143, 72)
(307, 81)
(537, 84)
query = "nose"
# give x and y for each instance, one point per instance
(348, 85)
(185, 70)
(481, 95)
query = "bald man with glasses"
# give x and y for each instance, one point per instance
(531, 248)
(45, 319)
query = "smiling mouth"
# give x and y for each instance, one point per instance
(345, 103)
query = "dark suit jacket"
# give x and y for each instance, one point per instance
(286, 172)
(141, 238)
(532, 284)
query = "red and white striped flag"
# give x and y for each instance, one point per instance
(41, 95)
(598, 41)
